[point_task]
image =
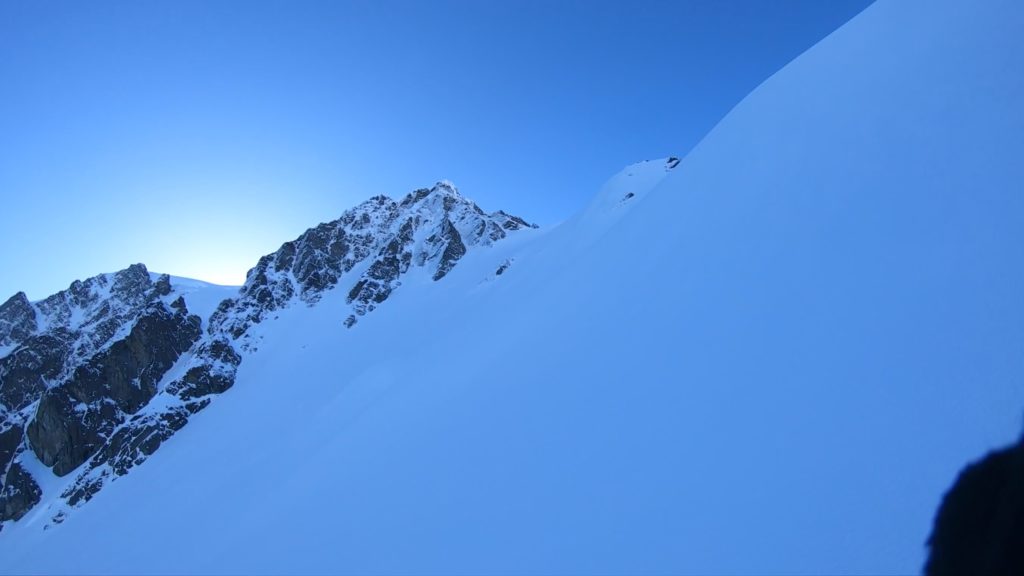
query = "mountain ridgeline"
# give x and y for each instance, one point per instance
(94, 378)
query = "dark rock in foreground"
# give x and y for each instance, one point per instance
(979, 528)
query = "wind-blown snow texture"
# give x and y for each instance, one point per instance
(772, 358)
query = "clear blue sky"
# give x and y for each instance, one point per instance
(195, 136)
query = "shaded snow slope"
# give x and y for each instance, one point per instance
(774, 362)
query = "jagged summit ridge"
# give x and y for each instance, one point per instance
(368, 249)
(80, 321)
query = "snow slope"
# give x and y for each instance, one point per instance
(773, 360)
(201, 297)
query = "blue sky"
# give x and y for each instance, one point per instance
(195, 136)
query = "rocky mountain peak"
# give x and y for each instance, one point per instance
(446, 187)
(95, 377)
(367, 249)
(442, 188)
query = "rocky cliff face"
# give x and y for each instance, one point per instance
(75, 366)
(94, 378)
(75, 417)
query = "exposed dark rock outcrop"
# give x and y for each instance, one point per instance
(76, 417)
(129, 446)
(25, 372)
(20, 493)
(382, 277)
(17, 319)
(450, 225)
(10, 441)
(213, 371)
(96, 308)
(504, 266)
(510, 222)
(63, 434)
(979, 528)
(79, 368)
(454, 249)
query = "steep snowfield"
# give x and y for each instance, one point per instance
(773, 361)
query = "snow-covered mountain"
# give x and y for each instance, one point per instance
(76, 371)
(94, 378)
(771, 356)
